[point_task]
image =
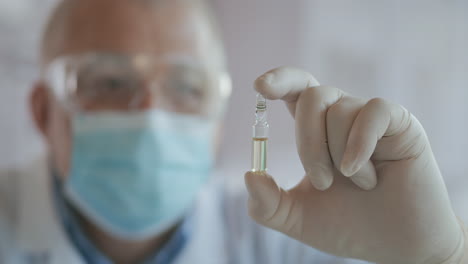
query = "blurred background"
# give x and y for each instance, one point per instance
(410, 52)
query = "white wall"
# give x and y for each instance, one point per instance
(20, 25)
(411, 52)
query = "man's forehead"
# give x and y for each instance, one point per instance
(127, 27)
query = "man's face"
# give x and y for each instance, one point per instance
(123, 27)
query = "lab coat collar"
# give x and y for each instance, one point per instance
(40, 236)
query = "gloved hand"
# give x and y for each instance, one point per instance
(379, 195)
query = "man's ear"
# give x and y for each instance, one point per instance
(39, 105)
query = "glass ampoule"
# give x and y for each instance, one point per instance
(260, 136)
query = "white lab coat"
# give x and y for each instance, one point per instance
(31, 233)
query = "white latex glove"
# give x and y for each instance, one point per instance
(379, 195)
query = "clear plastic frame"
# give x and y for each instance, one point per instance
(108, 81)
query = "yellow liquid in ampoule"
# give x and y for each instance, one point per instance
(259, 150)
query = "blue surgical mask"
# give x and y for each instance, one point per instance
(136, 174)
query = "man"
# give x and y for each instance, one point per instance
(129, 104)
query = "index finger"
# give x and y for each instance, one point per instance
(308, 102)
(285, 83)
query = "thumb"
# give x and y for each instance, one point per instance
(270, 205)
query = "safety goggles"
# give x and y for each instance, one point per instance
(108, 81)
